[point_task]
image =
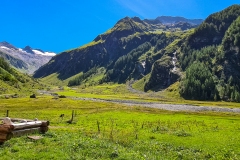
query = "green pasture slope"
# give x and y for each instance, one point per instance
(102, 130)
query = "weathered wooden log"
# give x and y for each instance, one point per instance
(18, 133)
(5, 136)
(26, 125)
(6, 128)
(9, 136)
(45, 123)
(19, 127)
(20, 119)
(43, 129)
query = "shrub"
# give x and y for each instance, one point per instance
(62, 96)
(33, 96)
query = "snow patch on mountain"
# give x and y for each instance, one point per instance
(34, 58)
(50, 53)
(3, 47)
(44, 53)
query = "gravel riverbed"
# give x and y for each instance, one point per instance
(170, 107)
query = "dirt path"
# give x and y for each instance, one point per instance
(170, 107)
(131, 89)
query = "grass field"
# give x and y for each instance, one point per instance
(121, 92)
(103, 130)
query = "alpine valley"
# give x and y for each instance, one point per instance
(201, 58)
(165, 88)
(158, 53)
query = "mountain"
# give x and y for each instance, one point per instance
(173, 20)
(213, 29)
(130, 36)
(205, 60)
(182, 25)
(215, 46)
(14, 83)
(26, 60)
(15, 62)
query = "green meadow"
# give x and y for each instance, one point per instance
(121, 92)
(104, 130)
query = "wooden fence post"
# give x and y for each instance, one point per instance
(71, 120)
(98, 125)
(72, 114)
(7, 113)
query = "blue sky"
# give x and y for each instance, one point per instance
(58, 25)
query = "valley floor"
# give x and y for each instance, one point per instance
(169, 107)
(111, 122)
(104, 129)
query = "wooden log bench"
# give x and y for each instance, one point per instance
(18, 127)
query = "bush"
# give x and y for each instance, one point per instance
(62, 96)
(33, 96)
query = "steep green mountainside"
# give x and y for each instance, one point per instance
(218, 51)
(205, 60)
(14, 82)
(127, 37)
(212, 30)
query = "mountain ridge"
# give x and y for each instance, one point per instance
(26, 60)
(108, 46)
(159, 55)
(172, 20)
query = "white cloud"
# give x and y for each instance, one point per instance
(141, 7)
(154, 8)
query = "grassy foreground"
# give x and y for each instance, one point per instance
(103, 130)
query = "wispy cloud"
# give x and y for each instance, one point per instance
(140, 7)
(153, 8)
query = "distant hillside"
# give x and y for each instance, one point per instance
(14, 82)
(173, 20)
(205, 60)
(129, 40)
(17, 63)
(26, 60)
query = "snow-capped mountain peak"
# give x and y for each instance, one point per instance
(28, 49)
(34, 58)
(7, 45)
(40, 52)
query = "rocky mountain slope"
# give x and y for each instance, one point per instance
(159, 54)
(128, 34)
(26, 60)
(174, 20)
